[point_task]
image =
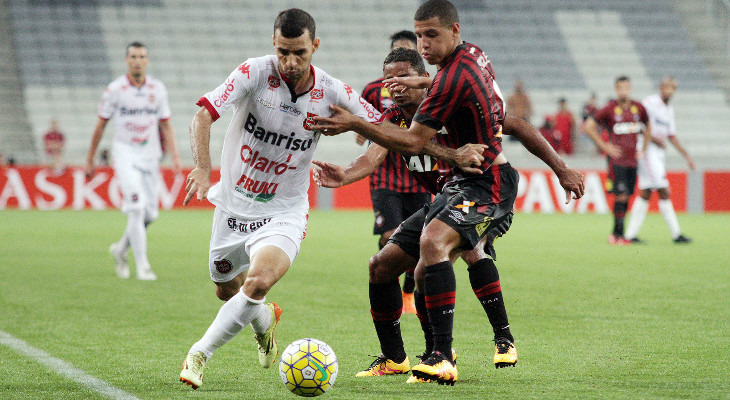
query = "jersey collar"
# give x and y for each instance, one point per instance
(131, 82)
(290, 84)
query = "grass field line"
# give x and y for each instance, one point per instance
(63, 368)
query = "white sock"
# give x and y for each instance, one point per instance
(137, 236)
(638, 214)
(261, 322)
(233, 316)
(667, 209)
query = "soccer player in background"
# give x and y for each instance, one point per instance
(393, 259)
(394, 192)
(652, 171)
(625, 119)
(465, 99)
(138, 104)
(261, 199)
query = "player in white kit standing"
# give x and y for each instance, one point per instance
(652, 174)
(138, 104)
(261, 200)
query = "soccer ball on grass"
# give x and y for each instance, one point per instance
(308, 367)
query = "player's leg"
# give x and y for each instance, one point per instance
(666, 208)
(412, 203)
(624, 182)
(639, 209)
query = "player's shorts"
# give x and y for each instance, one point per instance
(234, 241)
(391, 207)
(652, 173)
(474, 207)
(139, 182)
(621, 179)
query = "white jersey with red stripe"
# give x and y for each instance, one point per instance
(268, 146)
(661, 118)
(136, 112)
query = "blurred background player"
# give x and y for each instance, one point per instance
(261, 202)
(519, 104)
(139, 106)
(652, 171)
(564, 122)
(394, 192)
(53, 142)
(392, 260)
(624, 119)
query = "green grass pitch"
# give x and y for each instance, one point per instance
(591, 321)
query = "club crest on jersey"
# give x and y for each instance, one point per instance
(317, 94)
(309, 121)
(464, 206)
(274, 82)
(223, 266)
(151, 99)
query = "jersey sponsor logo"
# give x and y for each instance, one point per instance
(246, 226)
(226, 93)
(223, 266)
(245, 69)
(327, 81)
(289, 142)
(482, 226)
(384, 92)
(369, 108)
(255, 189)
(625, 128)
(265, 103)
(289, 109)
(131, 112)
(464, 206)
(348, 90)
(317, 94)
(420, 163)
(274, 82)
(263, 164)
(456, 215)
(136, 128)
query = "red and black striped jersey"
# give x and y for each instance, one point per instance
(393, 173)
(465, 99)
(624, 124)
(377, 95)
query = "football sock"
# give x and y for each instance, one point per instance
(484, 279)
(261, 320)
(137, 236)
(386, 306)
(422, 313)
(233, 316)
(619, 212)
(667, 209)
(638, 214)
(440, 293)
(409, 283)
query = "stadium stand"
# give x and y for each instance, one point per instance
(67, 51)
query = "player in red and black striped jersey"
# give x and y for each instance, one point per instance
(384, 289)
(465, 99)
(625, 119)
(394, 192)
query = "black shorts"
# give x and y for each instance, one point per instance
(391, 208)
(475, 207)
(621, 180)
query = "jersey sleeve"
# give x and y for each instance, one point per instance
(238, 85)
(603, 115)
(164, 112)
(442, 100)
(108, 103)
(350, 100)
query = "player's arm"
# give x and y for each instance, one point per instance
(334, 176)
(677, 145)
(198, 181)
(95, 139)
(570, 179)
(403, 83)
(646, 133)
(590, 127)
(171, 143)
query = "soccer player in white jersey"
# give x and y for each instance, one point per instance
(138, 104)
(652, 170)
(261, 201)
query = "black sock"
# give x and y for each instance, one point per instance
(484, 279)
(422, 313)
(440, 294)
(386, 305)
(409, 284)
(619, 212)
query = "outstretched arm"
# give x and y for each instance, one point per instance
(198, 181)
(682, 151)
(570, 179)
(333, 176)
(95, 139)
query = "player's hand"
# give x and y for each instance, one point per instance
(89, 169)
(572, 181)
(340, 121)
(612, 150)
(470, 157)
(359, 139)
(197, 184)
(403, 83)
(691, 163)
(659, 142)
(328, 175)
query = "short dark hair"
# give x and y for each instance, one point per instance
(403, 35)
(443, 9)
(134, 44)
(622, 78)
(293, 22)
(410, 56)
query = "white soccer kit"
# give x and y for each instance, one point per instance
(136, 149)
(651, 170)
(268, 149)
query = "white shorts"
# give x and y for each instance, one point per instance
(234, 241)
(139, 181)
(652, 172)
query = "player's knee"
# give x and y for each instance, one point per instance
(434, 246)
(256, 286)
(225, 292)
